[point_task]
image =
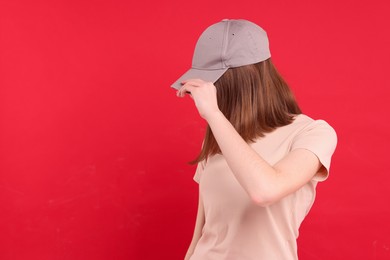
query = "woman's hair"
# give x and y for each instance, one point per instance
(255, 99)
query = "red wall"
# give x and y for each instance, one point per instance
(94, 143)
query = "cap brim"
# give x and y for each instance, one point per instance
(206, 75)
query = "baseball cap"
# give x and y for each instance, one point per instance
(227, 44)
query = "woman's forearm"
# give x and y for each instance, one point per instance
(254, 174)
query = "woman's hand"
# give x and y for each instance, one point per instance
(204, 95)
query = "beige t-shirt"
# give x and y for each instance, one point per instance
(235, 227)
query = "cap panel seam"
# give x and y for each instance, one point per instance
(225, 44)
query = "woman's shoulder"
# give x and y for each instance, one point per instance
(307, 123)
(310, 131)
(301, 126)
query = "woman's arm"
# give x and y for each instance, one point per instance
(263, 182)
(197, 231)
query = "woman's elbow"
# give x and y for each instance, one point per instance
(263, 200)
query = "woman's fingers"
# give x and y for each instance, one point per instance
(196, 87)
(185, 89)
(188, 86)
(203, 93)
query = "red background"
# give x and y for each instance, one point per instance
(94, 143)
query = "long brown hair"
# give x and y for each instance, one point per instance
(255, 99)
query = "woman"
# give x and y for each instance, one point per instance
(261, 158)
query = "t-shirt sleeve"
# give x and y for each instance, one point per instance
(199, 171)
(321, 139)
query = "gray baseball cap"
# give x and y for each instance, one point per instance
(224, 45)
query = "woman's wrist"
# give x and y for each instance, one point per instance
(214, 115)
